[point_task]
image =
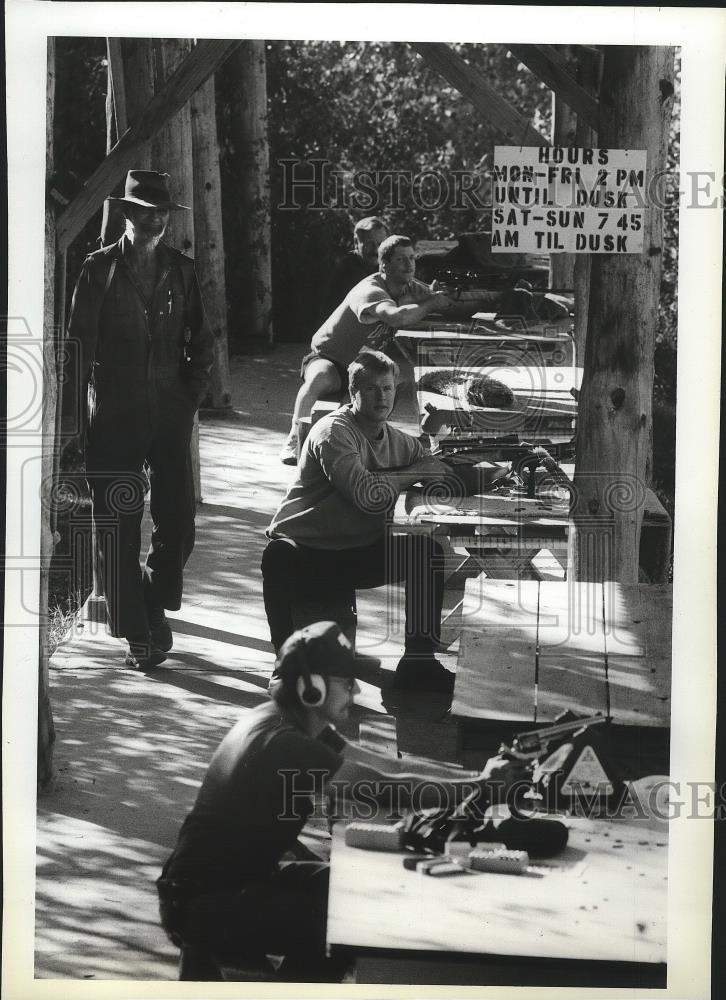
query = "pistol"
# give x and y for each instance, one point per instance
(536, 743)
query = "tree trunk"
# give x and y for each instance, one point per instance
(208, 238)
(46, 728)
(248, 129)
(615, 411)
(564, 125)
(589, 68)
(171, 153)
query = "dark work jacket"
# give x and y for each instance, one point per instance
(137, 360)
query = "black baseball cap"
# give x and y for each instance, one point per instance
(322, 648)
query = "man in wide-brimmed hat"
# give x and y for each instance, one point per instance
(139, 360)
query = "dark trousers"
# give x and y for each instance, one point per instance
(115, 459)
(292, 572)
(285, 914)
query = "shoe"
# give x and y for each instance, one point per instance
(422, 673)
(143, 654)
(288, 454)
(159, 629)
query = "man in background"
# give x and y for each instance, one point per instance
(141, 354)
(367, 316)
(358, 263)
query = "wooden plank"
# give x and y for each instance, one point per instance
(495, 671)
(570, 616)
(495, 681)
(547, 64)
(483, 336)
(441, 349)
(603, 897)
(500, 606)
(638, 640)
(495, 512)
(116, 63)
(205, 58)
(482, 95)
(571, 650)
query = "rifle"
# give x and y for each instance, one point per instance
(523, 456)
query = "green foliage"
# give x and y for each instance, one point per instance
(664, 385)
(375, 108)
(362, 106)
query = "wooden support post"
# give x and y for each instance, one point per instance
(203, 61)
(208, 237)
(246, 86)
(615, 417)
(485, 98)
(118, 84)
(589, 71)
(171, 153)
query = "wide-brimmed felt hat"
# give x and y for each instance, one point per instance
(321, 648)
(148, 189)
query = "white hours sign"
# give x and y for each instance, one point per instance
(566, 199)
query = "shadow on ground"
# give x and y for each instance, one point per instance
(131, 749)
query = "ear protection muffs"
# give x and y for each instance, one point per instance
(311, 688)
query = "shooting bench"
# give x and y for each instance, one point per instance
(519, 537)
(480, 342)
(530, 649)
(594, 914)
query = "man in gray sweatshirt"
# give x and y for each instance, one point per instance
(328, 537)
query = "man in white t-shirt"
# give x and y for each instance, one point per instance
(368, 315)
(328, 537)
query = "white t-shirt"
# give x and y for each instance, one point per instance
(353, 324)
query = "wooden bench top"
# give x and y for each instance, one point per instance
(604, 897)
(473, 333)
(497, 510)
(562, 645)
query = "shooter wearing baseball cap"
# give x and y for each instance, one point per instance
(227, 894)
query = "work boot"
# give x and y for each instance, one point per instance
(143, 654)
(159, 627)
(423, 672)
(288, 454)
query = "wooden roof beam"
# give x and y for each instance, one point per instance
(205, 58)
(548, 65)
(481, 94)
